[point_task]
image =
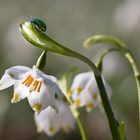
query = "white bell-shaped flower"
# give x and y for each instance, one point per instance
(84, 91)
(34, 84)
(51, 122)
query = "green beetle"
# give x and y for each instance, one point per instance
(39, 24)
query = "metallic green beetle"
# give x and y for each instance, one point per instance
(39, 24)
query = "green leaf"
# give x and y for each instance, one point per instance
(121, 129)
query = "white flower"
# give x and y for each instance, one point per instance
(32, 83)
(51, 122)
(84, 91)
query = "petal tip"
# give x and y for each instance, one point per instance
(37, 108)
(16, 98)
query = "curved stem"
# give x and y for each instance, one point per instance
(43, 41)
(110, 115)
(124, 50)
(100, 62)
(107, 52)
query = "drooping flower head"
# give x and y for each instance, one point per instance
(84, 91)
(51, 122)
(34, 84)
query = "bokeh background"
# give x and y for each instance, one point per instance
(70, 22)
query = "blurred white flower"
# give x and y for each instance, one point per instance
(34, 84)
(127, 15)
(85, 92)
(51, 122)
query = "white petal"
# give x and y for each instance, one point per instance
(6, 81)
(87, 97)
(49, 81)
(17, 72)
(62, 85)
(20, 92)
(90, 96)
(48, 78)
(43, 99)
(91, 86)
(80, 81)
(58, 91)
(50, 122)
(68, 121)
(47, 121)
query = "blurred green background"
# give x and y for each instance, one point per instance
(70, 22)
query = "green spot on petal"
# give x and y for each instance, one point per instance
(37, 107)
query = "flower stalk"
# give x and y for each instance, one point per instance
(41, 40)
(126, 53)
(100, 62)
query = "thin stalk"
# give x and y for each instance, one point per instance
(79, 120)
(82, 128)
(110, 115)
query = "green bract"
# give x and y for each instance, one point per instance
(35, 37)
(41, 40)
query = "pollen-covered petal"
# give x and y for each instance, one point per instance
(42, 99)
(6, 81)
(17, 72)
(20, 92)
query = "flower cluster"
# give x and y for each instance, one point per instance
(44, 96)
(49, 99)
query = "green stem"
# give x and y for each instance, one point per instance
(66, 82)
(82, 128)
(124, 50)
(100, 62)
(110, 115)
(43, 41)
(79, 121)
